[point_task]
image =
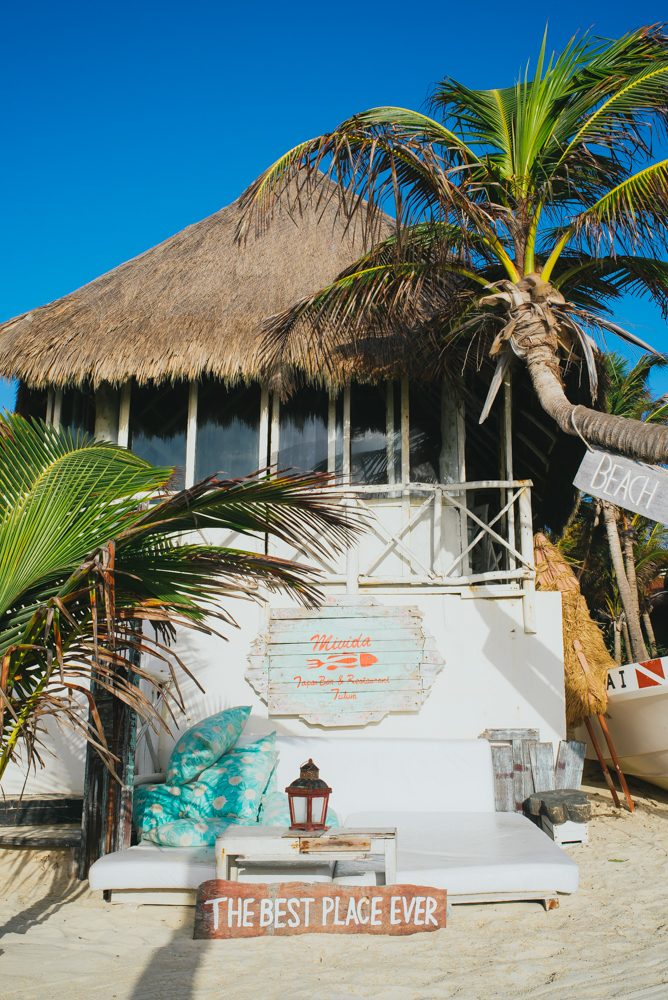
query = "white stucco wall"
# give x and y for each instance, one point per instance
(495, 675)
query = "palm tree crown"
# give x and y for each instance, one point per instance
(521, 214)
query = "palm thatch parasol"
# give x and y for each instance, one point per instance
(586, 682)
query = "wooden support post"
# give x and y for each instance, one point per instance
(263, 446)
(390, 432)
(615, 761)
(526, 548)
(604, 767)
(275, 428)
(124, 415)
(57, 407)
(331, 432)
(345, 464)
(191, 435)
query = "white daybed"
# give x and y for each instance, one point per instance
(438, 793)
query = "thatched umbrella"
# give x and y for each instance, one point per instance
(586, 683)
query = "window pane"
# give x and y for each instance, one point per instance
(158, 421)
(425, 432)
(78, 410)
(303, 431)
(228, 429)
(368, 434)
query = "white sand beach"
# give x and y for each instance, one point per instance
(61, 941)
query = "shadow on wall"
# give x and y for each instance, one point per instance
(534, 669)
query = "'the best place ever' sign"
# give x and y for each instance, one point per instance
(253, 909)
(626, 483)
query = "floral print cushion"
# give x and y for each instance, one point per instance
(234, 786)
(203, 744)
(155, 805)
(275, 811)
(187, 832)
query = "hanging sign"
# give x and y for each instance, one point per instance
(254, 909)
(349, 662)
(626, 483)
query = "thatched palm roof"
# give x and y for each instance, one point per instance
(190, 306)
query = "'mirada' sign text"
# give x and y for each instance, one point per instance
(626, 483)
(252, 909)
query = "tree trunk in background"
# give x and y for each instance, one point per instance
(627, 642)
(649, 632)
(617, 636)
(637, 650)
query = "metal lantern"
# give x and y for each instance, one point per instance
(308, 797)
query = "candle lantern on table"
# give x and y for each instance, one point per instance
(308, 797)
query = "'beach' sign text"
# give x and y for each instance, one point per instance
(350, 662)
(253, 909)
(626, 483)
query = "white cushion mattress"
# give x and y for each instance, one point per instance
(474, 852)
(151, 866)
(461, 852)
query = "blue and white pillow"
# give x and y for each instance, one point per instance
(202, 745)
(153, 805)
(187, 832)
(234, 786)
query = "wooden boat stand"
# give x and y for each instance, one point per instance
(577, 646)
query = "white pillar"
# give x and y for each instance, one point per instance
(57, 407)
(263, 456)
(107, 401)
(275, 429)
(191, 435)
(346, 434)
(124, 415)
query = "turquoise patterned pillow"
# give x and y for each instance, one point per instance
(155, 805)
(187, 832)
(275, 811)
(234, 786)
(203, 744)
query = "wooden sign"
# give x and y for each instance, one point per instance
(252, 909)
(349, 662)
(626, 483)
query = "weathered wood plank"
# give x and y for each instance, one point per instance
(507, 735)
(502, 762)
(391, 642)
(404, 612)
(379, 673)
(299, 631)
(542, 766)
(570, 764)
(40, 810)
(347, 661)
(347, 683)
(336, 700)
(526, 767)
(232, 909)
(340, 842)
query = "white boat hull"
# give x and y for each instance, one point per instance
(637, 718)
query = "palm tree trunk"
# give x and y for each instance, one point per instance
(630, 608)
(617, 636)
(634, 438)
(627, 642)
(649, 631)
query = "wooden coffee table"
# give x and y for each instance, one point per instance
(274, 844)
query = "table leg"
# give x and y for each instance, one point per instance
(390, 861)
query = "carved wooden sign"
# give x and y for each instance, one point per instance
(349, 662)
(252, 909)
(625, 482)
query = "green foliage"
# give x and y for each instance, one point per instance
(93, 542)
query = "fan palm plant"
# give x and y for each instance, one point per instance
(521, 214)
(93, 545)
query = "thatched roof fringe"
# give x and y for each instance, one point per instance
(189, 307)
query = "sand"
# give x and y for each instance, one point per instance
(610, 939)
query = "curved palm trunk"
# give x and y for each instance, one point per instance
(630, 607)
(634, 438)
(533, 331)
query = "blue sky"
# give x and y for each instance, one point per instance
(125, 122)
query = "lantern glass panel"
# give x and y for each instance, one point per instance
(318, 809)
(299, 807)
